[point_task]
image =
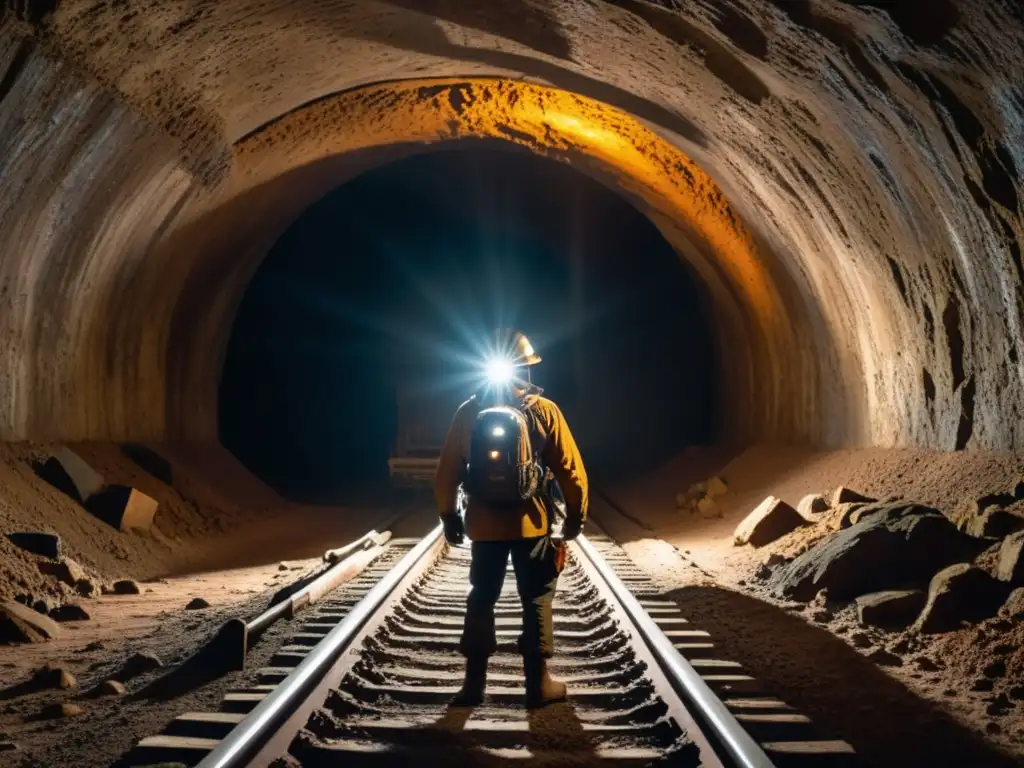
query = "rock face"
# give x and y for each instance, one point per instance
(811, 505)
(19, 624)
(1011, 560)
(844, 495)
(43, 544)
(771, 519)
(890, 610)
(875, 555)
(960, 593)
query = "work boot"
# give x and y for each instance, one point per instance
(541, 688)
(474, 684)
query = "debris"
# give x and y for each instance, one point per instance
(884, 658)
(69, 612)
(126, 587)
(64, 709)
(716, 487)
(53, 676)
(876, 555)
(197, 604)
(811, 505)
(1011, 559)
(43, 605)
(138, 664)
(861, 640)
(123, 508)
(708, 508)
(111, 688)
(770, 520)
(891, 610)
(20, 624)
(844, 495)
(43, 544)
(64, 570)
(959, 593)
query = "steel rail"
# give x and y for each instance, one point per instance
(259, 726)
(711, 715)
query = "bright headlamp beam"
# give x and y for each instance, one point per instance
(499, 371)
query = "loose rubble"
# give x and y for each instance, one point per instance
(770, 520)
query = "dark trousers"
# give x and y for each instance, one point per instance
(536, 578)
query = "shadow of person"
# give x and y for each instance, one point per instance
(557, 730)
(844, 694)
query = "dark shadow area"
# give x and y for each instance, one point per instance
(844, 694)
(385, 291)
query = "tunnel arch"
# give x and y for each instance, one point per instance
(874, 170)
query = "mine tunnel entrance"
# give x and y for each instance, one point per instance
(394, 279)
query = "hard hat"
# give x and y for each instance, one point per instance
(515, 347)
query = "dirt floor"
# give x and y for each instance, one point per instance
(949, 699)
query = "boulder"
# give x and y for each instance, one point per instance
(149, 460)
(69, 612)
(43, 544)
(20, 624)
(892, 610)
(877, 554)
(708, 508)
(994, 523)
(844, 495)
(960, 593)
(812, 504)
(716, 487)
(771, 519)
(123, 508)
(1011, 560)
(197, 604)
(65, 570)
(126, 587)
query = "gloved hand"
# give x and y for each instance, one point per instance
(454, 529)
(572, 528)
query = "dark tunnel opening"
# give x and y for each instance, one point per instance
(392, 281)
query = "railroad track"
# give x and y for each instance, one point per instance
(367, 678)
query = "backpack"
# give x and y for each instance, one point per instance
(503, 466)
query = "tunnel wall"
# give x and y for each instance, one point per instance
(873, 162)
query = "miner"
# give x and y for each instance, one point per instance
(504, 445)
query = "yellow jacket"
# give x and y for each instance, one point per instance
(559, 454)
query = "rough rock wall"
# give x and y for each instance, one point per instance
(873, 158)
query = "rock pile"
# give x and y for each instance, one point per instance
(700, 498)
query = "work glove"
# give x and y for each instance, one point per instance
(454, 529)
(571, 528)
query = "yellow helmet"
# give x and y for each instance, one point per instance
(515, 347)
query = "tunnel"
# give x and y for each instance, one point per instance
(777, 238)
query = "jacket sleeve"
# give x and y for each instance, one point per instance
(564, 459)
(449, 468)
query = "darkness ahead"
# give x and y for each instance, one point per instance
(395, 279)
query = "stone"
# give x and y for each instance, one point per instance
(960, 593)
(1011, 559)
(53, 676)
(44, 605)
(149, 460)
(708, 508)
(823, 616)
(763, 572)
(884, 658)
(69, 612)
(86, 479)
(983, 685)
(926, 665)
(111, 688)
(716, 487)
(1000, 706)
(859, 512)
(995, 500)
(996, 669)
(812, 504)
(42, 544)
(844, 495)
(1016, 693)
(64, 570)
(86, 588)
(20, 624)
(126, 587)
(891, 610)
(196, 604)
(846, 512)
(63, 709)
(1018, 491)
(8, 746)
(771, 519)
(682, 500)
(876, 555)
(124, 508)
(994, 523)
(282, 567)
(139, 664)
(861, 640)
